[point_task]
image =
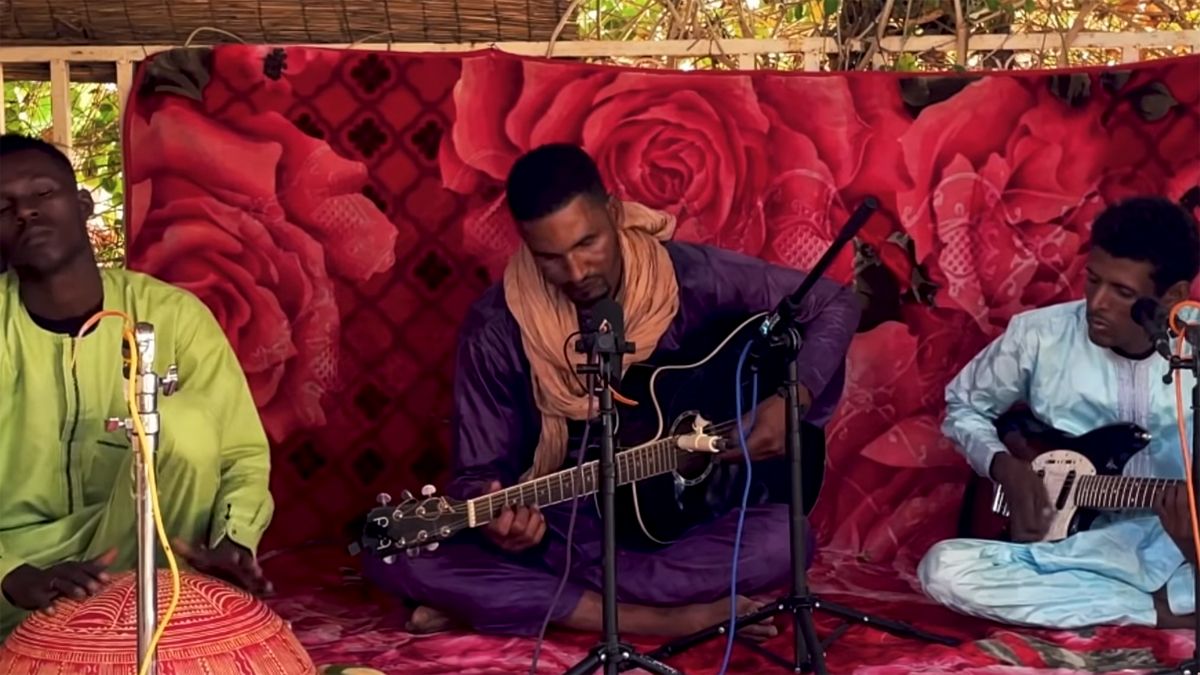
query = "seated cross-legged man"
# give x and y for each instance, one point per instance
(517, 401)
(67, 516)
(1080, 366)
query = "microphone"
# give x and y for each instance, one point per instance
(1152, 317)
(602, 331)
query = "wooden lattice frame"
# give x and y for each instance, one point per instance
(135, 22)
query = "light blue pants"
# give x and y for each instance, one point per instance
(1104, 576)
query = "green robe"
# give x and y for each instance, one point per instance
(66, 487)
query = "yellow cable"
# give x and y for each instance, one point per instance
(151, 477)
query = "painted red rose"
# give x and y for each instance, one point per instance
(254, 217)
(658, 138)
(259, 78)
(725, 154)
(891, 473)
(1184, 185)
(1002, 196)
(834, 141)
(1153, 119)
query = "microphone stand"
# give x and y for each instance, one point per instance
(1177, 365)
(778, 333)
(147, 388)
(603, 347)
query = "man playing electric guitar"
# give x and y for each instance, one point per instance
(516, 393)
(1080, 366)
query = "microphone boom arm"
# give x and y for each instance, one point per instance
(777, 324)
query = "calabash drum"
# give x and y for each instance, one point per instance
(216, 629)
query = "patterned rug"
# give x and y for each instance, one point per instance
(352, 630)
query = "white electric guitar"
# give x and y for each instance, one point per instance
(1082, 475)
(1073, 483)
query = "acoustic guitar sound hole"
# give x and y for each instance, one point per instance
(692, 466)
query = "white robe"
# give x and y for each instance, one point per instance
(1105, 575)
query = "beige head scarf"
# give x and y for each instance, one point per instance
(649, 294)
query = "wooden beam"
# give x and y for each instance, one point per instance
(60, 105)
(124, 83)
(812, 61)
(596, 48)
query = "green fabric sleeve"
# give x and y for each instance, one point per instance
(209, 369)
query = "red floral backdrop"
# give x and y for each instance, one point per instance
(340, 210)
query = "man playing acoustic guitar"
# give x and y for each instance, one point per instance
(1079, 366)
(515, 392)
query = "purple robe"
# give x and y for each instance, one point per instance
(496, 429)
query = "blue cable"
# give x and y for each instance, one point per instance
(737, 539)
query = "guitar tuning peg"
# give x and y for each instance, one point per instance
(413, 552)
(406, 496)
(428, 491)
(432, 547)
(388, 560)
(383, 498)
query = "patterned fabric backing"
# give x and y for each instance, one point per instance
(216, 629)
(339, 210)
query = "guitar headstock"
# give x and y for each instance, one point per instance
(415, 523)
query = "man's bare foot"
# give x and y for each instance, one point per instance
(425, 620)
(695, 618)
(666, 621)
(1165, 618)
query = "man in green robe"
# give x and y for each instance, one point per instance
(67, 512)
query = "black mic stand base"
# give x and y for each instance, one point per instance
(809, 651)
(803, 610)
(620, 659)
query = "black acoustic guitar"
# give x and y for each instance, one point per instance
(663, 489)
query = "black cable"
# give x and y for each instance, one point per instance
(562, 582)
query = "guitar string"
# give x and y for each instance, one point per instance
(633, 464)
(1116, 492)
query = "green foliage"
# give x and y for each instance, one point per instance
(96, 150)
(907, 62)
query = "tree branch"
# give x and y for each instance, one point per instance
(960, 34)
